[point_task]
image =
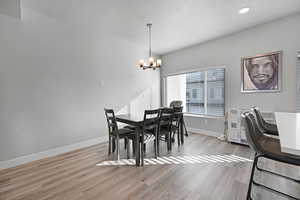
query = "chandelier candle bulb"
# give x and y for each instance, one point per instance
(151, 60)
(141, 63)
(159, 62)
(244, 10)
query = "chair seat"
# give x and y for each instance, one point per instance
(164, 130)
(174, 127)
(123, 132)
(150, 130)
(130, 127)
(164, 123)
(167, 128)
(272, 150)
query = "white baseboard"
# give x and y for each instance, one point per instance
(52, 152)
(204, 132)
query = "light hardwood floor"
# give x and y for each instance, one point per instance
(75, 176)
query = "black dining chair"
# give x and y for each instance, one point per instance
(177, 105)
(165, 128)
(115, 134)
(266, 147)
(150, 128)
(266, 127)
(178, 119)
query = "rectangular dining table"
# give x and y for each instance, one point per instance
(288, 125)
(137, 122)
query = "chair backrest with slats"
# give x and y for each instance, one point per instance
(151, 119)
(178, 108)
(111, 120)
(176, 103)
(177, 115)
(260, 120)
(266, 127)
(253, 133)
(166, 116)
(167, 119)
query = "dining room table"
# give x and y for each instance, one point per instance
(137, 121)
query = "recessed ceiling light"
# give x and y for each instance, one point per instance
(244, 10)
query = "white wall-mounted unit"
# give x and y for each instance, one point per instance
(236, 130)
(298, 83)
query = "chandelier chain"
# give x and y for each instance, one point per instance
(150, 50)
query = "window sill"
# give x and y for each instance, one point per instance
(204, 116)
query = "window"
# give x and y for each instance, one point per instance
(201, 92)
(194, 93)
(187, 95)
(212, 93)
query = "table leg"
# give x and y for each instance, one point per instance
(137, 146)
(142, 150)
(181, 130)
(118, 147)
(186, 133)
(155, 142)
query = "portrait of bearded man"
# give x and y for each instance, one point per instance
(261, 73)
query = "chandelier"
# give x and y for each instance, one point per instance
(153, 62)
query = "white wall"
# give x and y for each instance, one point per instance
(56, 78)
(278, 35)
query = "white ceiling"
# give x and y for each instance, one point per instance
(176, 23)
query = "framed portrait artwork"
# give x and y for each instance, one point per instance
(262, 73)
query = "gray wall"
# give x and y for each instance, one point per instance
(278, 35)
(10, 8)
(56, 78)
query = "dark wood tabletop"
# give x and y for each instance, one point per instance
(130, 119)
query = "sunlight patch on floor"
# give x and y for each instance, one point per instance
(177, 160)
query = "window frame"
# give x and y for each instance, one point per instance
(164, 92)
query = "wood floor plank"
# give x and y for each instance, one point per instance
(75, 175)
